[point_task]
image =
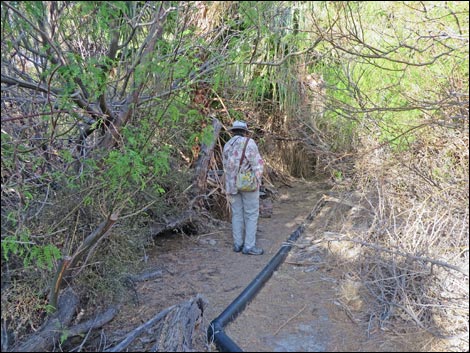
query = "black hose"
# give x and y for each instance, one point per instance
(215, 331)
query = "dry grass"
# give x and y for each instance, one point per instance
(419, 198)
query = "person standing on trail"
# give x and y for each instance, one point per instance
(244, 204)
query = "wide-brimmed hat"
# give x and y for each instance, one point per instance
(239, 125)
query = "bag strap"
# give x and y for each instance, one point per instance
(243, 153)
(242, 157)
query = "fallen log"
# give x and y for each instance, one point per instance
(175, 223)
(146, 275)
(51, 331)
(171, 330)
(91, 324)
(57, 328)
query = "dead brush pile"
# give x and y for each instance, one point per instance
(417, 268)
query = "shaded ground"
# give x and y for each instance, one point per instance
(305, 306)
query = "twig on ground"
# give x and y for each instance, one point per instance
(292, 318)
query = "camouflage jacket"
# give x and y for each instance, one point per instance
(233, 150)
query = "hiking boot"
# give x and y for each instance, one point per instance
(237, 248)
(253, 251)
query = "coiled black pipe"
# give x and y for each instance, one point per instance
(215, 331)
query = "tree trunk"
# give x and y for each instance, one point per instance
(205, 156)
(68, 264)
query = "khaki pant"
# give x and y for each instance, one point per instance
(245, 213)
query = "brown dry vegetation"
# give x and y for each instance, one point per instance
(404, 226)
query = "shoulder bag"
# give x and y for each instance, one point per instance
(245, 181)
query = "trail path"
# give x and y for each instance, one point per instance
(301, 308)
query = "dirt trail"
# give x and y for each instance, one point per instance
(301, 308)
